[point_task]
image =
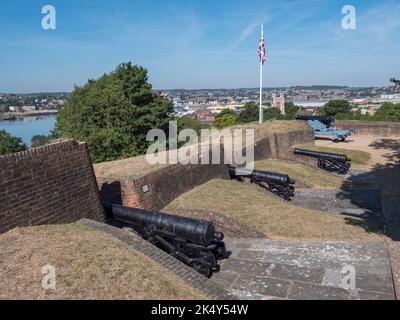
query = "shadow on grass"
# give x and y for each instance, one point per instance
(387, 177)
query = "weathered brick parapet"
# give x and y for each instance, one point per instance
(50, 184)
(371, 128)
(155, 190)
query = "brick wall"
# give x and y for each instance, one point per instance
(50, 184)
(371, 128)
(166, 184)
(155, 190)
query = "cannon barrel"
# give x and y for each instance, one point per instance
(327, 120)
(198, 232)
(277, 178)
(323, 155)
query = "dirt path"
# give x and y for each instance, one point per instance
(385, 165)
(381, 149)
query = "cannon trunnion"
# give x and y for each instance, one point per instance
(277, 183)
(332, 162)
(192, 241)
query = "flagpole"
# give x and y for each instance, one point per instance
(261, 117)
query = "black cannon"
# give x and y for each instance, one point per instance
(327, 120)
(277, 183)
(192, 241)
(328, 161)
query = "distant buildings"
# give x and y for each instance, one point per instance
(278, 101)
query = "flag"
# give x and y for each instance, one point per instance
(261, 49)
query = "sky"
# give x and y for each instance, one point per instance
(197, 44)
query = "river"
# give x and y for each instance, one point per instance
(28, 127)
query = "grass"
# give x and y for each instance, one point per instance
(274, 217)
(126, 168)
(357, 156)
(275, 126)
(310, 176)
(89, 264)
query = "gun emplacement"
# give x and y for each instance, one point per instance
(192, 241)
(327, 161)
(278, 183)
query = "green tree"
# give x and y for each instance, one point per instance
(335, 107)
(40, 140)
(388, 112)
(225, 121)
(272, 114)
(250, 113)
(188, 122)
(225, 112)
(10, 144)
(291, 110)
(114, 113)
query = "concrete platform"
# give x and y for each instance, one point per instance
(264, 269)
(359, 202)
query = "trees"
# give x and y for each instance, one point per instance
(250, 113)
(225, 121)
(388, 112)
(188, 122)
(291, 110)
(40, 140)
(114, 113)
(10, 144)
(272, 113)
(335, 107)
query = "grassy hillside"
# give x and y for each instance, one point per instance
(300, 172)
(89, 265)
(277, 218)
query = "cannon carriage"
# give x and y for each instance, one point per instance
(327, 161)
(277, 183)
(194, 242)
(322, 126)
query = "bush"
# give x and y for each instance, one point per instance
(225, 121)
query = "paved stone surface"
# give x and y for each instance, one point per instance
(360, 203)
(265, 269)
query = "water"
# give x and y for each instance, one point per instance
(28, 127)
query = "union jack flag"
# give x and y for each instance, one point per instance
(261, 49)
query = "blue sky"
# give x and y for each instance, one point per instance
(198, 43)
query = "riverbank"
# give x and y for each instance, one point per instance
(18, 115)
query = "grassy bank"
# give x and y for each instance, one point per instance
(89, 265)
(277, 218)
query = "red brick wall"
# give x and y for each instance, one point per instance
(163, 185)
(168, 183)
(46, 185)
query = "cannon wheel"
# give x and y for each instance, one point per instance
(201, 267)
